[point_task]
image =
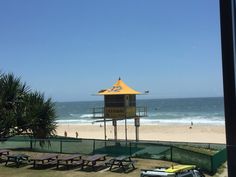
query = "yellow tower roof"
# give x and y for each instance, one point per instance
(119, 88)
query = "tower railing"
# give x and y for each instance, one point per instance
(99, 112)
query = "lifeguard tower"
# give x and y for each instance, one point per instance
(120, 104)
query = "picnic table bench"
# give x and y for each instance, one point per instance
(70, 160)
(3, 152)
(121, 162)
(17, 159)
(44, 160)
(92, 160)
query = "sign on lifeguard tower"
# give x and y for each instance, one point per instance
(120, 104)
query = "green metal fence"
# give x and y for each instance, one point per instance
(218, 159)
(200, 159)
(208, 156)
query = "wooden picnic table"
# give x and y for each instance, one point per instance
(17, 159)
(49, 159)
(92, 160)
(121, 161)
(70, 160)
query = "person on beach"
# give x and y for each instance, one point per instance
(76, 134)
(65, 134)
(191, 126)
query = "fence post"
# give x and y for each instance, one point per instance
(212, 166)
(93, 145)
(31, 144)
(130, 150)
(60, 146)
(171, 153)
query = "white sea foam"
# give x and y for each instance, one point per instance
(186, 120)
(71, 121)
(148, 121)
(180, 121)
(86, 115)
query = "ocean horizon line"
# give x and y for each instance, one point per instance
(168, 98)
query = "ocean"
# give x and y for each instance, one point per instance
(160, 111)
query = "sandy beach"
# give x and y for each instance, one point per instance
(162, 132)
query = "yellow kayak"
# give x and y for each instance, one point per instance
(179, 168)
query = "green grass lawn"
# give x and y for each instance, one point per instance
(28, 171)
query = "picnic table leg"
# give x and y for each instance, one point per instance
(57, 164)
(6, 162)
(82, 166)
(93, 165)
(111, 166)
(133, 166)
(121, 164)
(131, 163)
(17, 163)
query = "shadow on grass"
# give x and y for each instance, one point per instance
(14, 165)
(93, 169)
(41, 167)
(66, 168)
(121, 170)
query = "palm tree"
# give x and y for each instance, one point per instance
(22, 111)
(12, 93)
(41, 115)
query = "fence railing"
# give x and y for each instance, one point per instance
(171, 151)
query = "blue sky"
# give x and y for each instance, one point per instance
(71, 49)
